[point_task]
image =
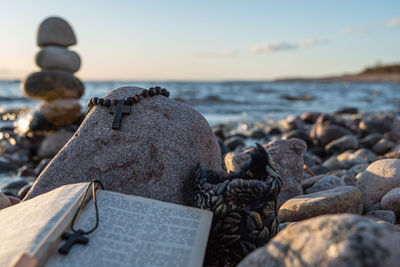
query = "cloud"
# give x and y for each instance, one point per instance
(393, 22)
(226, 53)
(277, 46)
(355, 31)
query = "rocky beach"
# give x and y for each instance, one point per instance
(297, 173)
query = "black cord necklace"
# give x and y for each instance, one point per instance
(77, 236)
(122, 106)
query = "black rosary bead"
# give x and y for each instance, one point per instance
(145, 93)
(136, 98)
(107, 102)
(114, 102)
(152, 91)
(129, 101)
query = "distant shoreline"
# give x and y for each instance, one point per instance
(362, 78)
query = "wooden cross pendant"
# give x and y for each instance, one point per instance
(72, 239)
(119, 110)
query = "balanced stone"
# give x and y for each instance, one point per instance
(342, 199)
(344, 240)
(153, 154)
(53, 84)
(288, 157)
(55, 31)
(61, 112)
(59, 58)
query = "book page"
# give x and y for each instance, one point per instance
(136, 231)
(25, 225)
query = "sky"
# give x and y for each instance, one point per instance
(208, 39)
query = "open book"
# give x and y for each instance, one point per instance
(132, 231)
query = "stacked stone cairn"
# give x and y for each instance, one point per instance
(60, 113)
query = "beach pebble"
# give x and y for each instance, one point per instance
(24, 190)
(391, 155)
(392, 136)
(391, 201)
(310, 181)
(275, 131)
(14, 200)
(343, 240)
(370, 140)
(234, 142)
(310, 159)
(382, 146)
(288, 158)
(326, 134)
(299, 134)
(310, 117)
(342, 144)
(55, 31)
(325, 183)
(377, 125)
(358, 168)
(153, 154)
(12, 187)
(349, 159)
(26, 171)
(42, 165)
(6, 165)
(366, 154)
(342, 199)
(52, 84)
(349, 179)
(61, 112)
(4, 201)
(332, 163)
(384, 215)
(319, 169)
(257, 133)
(292, 122)
(379, 178)
(58, 58)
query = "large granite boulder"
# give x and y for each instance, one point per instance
(379, 178)
(153, 154)
(288, 157)
(333, 240)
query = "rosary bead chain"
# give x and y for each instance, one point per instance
(153, 91)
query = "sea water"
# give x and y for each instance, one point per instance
(246, 101)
